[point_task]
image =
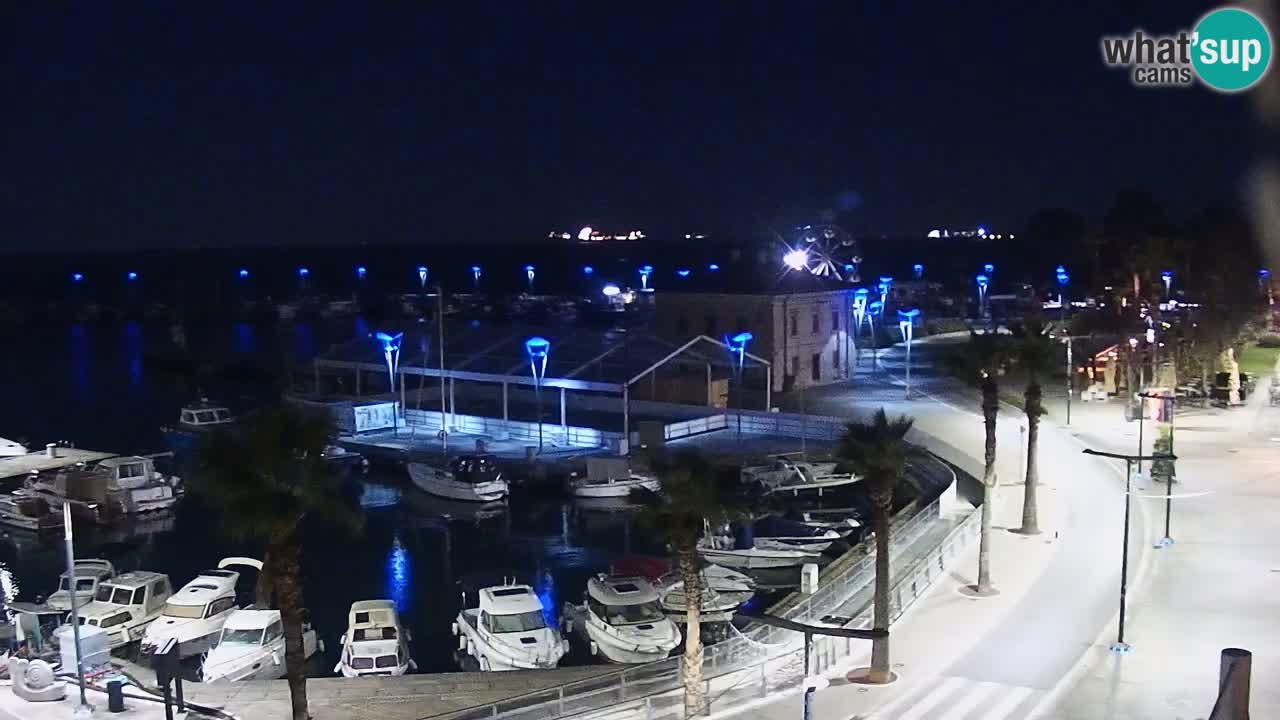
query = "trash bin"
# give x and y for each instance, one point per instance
(115, 696)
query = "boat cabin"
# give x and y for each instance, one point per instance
(510, 608)
(89, 574)
(129, 472)
(212, 593)
(204, 415)
(623, 600)
(253, 628)
(126, 604)
(375, 643)
(475, 469)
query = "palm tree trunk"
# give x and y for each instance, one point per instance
(263, 589)
(1030, 521)
(288, 583)
(880, 647)
(695, 699)
(990, 406)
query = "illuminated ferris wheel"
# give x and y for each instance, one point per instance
(823, 250)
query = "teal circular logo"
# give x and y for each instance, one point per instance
(1231, 49)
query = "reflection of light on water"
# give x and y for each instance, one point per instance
(545, 589)
(133, 350)
(399, 576)
(244, 340)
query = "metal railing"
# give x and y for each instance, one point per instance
(753, 665)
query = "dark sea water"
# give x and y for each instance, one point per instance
(112, 386)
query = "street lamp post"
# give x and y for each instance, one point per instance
(874, 309)
(75, 606)
(918, 269)
(906, 324)
(1121, 647)
(982, 281)
(859, 314)
(1064, 278)
(475, 276)
(1166, 277)
(884, 286)
(537, 348)
(645, 272)
(1167, 401)
(529, 273)
(391, 353)
(737, 353)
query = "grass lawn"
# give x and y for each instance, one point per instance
(1258, 361)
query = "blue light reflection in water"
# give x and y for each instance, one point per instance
(545, 589)
(243, 341)
(399, 577)
(133, 351)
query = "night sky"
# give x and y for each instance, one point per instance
(206, 124)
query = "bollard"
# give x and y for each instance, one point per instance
(1233, 685)
(115, 696)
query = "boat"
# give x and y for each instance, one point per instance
(126, 605)
(612, 486)
(338, 455)
(28, 513)
(742, 551)
(723, 590)
(195, 614)
(250, 646)
(196, 421)
(785, 475)
(89, 574)
(623, 621)
(775, 533)
(108, 491)
(507, 631)
(375, 643)
(475, 478)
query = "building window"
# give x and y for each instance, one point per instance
(815, 368)
(711, 326)
(793, 322)
(815, 324)
(835, 321)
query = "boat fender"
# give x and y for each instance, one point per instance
(595, 649)
(454, 628)
(462, 642)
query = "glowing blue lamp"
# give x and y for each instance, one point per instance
(738, 348)
(588, 270)
(132, 276)
(989, 269)
(303, 272)
(713, 267)
(1264, 273)
(77, 277)
(361, 271)
(683, 272)
(391, 353)
(243, 273)
(475, 274)
(422, 276)
(876, 307)
(537, 348)
(982, 281)
(1167, 277)
(918, 269)
(529, 273)
(645, 272)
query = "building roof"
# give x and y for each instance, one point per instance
(579, 357)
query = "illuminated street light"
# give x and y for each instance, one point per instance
(422, 276)
(361, 272)
(796, 259)
(738, 354)
(1167, 278)
(859, 314)
(391, 353)
(918, 269)
(645, 272)
(982, 281)
(683, 272)
(537, 348)
(885, 284)
(588, 270)
(713, 267)
(243, 273)
(875, 308)
(303, 272)
(529, 273)
(611, 290)
(77, 277)
(475, 275)
(906, 325)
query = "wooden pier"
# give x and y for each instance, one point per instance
(19, 466)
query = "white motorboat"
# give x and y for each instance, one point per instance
(195, 614)
(723, 592)
(508, 631)
(623, 621)
(475, 478)
(194, 422)
(743, 552)
(251, 647)
(375, 642)
(785, 475)
(776, 533)
(108, 491)
(124, 606)
(28, 513)
(89, 574)
(612, 487)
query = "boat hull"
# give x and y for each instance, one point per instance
(751, 559)
(436, 483)
(620, 489)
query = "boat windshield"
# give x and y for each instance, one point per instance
(627, 614)
(386, 661)
(175, 610)
(361, 663)
(82, 584)
(113, 594)
(518, 622)
(251, 636)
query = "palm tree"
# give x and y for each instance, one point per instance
(689, 500)
(1033, 351)
(266, 478)
(979, 364)
(878, 451)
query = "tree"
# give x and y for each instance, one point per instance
(689, 500)
(1033, 350)
(266, 478)
(877, 450)
(979, 364)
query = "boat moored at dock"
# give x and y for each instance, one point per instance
(475, 478)
(375, 643)
(194, 615)
(250, 646)
(622, 620)
(508, 631)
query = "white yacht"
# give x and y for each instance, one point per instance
(508, 632)
(375, 643)
(125, 605)
(195, 614)
(474, 478)
(145, 488)
(89, 574)
(623, 621)
(749, 555)
(787, 475)
(251, 647)
(723, 592)
(612, 487)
